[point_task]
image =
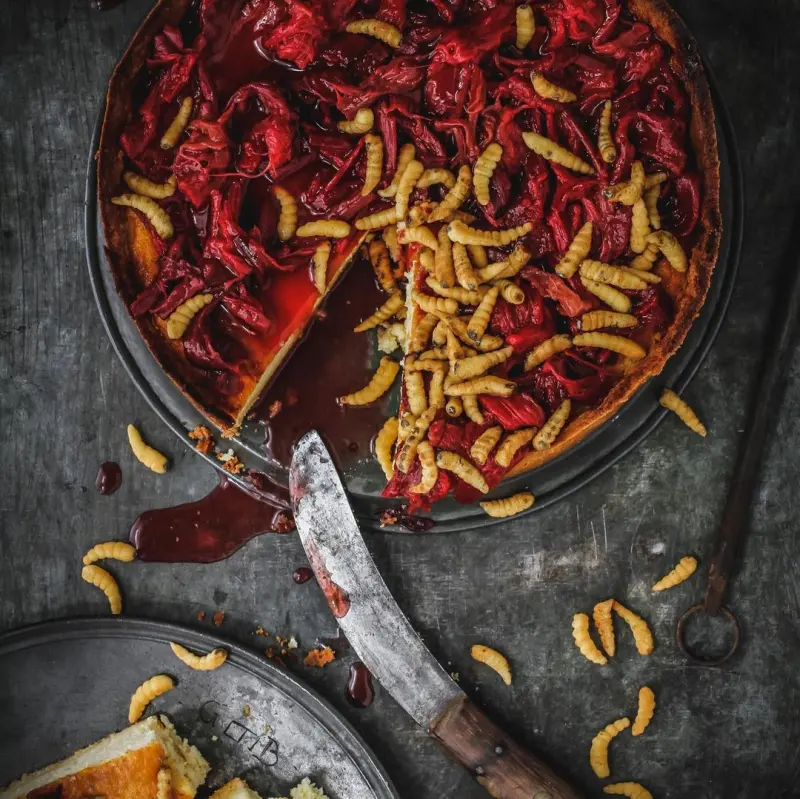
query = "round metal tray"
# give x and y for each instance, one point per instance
(67, 683)
(364, 478)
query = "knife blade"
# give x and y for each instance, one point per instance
(386, 642)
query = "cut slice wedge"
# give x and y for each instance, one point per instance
(291, 301)
(124, 765)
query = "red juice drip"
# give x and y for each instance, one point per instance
(360, 692)
(109, 478)
(338, 598)
(210, 529)
(302, 575)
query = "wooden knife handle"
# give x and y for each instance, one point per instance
(501, 766)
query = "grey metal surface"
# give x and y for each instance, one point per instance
(375, 627)
(728, 733)
(248, 718)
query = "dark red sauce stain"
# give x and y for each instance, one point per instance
(109, 478)
(210, 529)
(302, 575)
(360, 692)
(338, 598)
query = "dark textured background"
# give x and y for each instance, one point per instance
(65, 399)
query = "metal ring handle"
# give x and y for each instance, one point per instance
(707, 661)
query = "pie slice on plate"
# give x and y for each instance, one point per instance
(125, 765)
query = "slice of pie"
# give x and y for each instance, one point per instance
(592, 174)
(239, 789)
(125, 765)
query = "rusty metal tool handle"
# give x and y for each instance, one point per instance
(763, 408)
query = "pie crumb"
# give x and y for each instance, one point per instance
(388, 517)
(201, 435)
(319, 657)
(283, 523)
(218, 618)
(274, 408)
(230, 463)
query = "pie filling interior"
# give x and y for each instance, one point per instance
(270, 82)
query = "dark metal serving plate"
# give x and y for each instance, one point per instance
(66, 684)
(364, 478)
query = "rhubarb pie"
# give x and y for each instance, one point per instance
(536, 186)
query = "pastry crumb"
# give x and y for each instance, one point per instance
(218, 618)
(201, 435)
(201, 615)
(261, 631)
(274, 408)
(391, 337)
(283, 523)
(291, 643)
(389, 517)
(230, 463)
(319, 657)
(305, 790)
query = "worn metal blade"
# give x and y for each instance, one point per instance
(367, 613)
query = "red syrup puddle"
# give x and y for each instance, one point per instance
(360, 692)
(210, 529)
(331, 361)
(109, 478)
(302, 575)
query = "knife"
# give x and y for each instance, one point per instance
(386, 643)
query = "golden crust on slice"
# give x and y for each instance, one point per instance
(125, 765)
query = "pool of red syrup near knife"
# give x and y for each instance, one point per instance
(214, 527)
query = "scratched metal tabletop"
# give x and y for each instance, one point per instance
(65, 400)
